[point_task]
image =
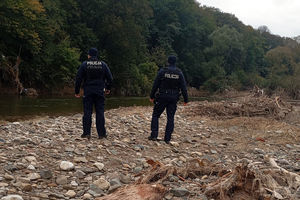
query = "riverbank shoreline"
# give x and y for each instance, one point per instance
(32, 152)
(13, 108)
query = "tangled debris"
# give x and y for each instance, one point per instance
(247, 181)
(248, 106)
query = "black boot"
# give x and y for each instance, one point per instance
(152, 138)
(86, 136)
(102, 137)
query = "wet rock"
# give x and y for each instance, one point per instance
(202, 197)
(11, 168)
(179, 192)
(139, 147)
(88, 170)
(113, 188)
(175, 144)
(56, 196)
(71, 193)
(33, 176)
(277, 195)
(69, 149)
(95, 190)
(23, 179)
(12, 197)
(102, 184)
(80, 174)
(80, 159)
(114, 184)
(62, 180)
(213, 151)
(126, 166)
(3, 184)
(74, 183)
(100, 166)
(228, 139)
(297, 195)
(30, 159)
(3, 193)
(126, 140)
(8, 177)
(88, 179)
(137, 170)
(46, 174)
(66, 165)
(183, 159)
(27, 187)
(87, 197)
(115, 181)
(125, 179)
(173, 178)
(113, 151)
(31, 167)
(258, 151)
(199, 154)
(169, 196)
(296, 168)
(210, 158)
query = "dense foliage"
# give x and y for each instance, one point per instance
(215, 50)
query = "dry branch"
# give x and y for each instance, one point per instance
(137, 192)
(249, 106)
(249, 180)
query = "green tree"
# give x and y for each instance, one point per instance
(227, 44)
(20, 25)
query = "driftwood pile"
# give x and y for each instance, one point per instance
(249, 106)
(247, 181)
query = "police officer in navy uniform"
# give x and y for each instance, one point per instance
(97, 80)
(168, 85)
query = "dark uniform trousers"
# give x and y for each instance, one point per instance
(162, 103)
(88, 102)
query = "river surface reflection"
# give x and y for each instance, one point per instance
(14, 108)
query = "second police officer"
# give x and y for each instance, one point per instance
(96, 78)
(168, 85)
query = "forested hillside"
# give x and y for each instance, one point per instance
(46, 40)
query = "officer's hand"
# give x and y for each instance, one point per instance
(185, 104)
(77, 95)
(151, 100)
(107, 91)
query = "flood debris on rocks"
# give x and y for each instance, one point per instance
(239, 157)
(248, 106)
(249, 181)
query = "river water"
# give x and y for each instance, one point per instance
(14, 108)
(18, 108)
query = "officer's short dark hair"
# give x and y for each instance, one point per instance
(93, 52)
(172, 59)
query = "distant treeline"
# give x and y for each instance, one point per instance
(215, 50)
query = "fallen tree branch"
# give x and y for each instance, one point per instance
(273, 163)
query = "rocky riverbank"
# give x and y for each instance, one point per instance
(46, 158)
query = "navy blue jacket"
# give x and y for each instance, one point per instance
(158, 83)
(95, 85)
